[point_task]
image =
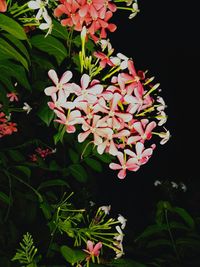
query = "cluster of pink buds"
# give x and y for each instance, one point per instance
(120, 111)
(6, 127)
(94, 14)
(42, 153)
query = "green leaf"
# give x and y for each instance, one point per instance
(7, 49)
(45, 114)
(59, 31)
(12, 70)
(106, 158)
(185, 216)
(73, 155)
(46, 208)
(16, 155)
(50, 45)
(10, 25)
(54, 182)
(18, 44)
(5, 198)
(152, 230)
(72, 255)
(158, 243)
(24, 169)
(78, 172)
(93, 164)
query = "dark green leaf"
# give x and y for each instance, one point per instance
(158, 243)
(16, 155)
(45, 114)
(14, 72)
(24, 169)
(93, 164)
(72, 255)
(59, 30)
(78, 172)
(73, 155)
(10, 25)
(54, 182)
(7, 49)
(185, 216)
(5, 198)
(50, 45)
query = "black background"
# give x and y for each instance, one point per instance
(162, 38)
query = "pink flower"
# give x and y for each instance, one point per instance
(12, 96)
(70, 120)
(104, 59)
(60, 101)
(3, 6)
(130, 164)
(92, 250)
(142, 155)
(98, 128)
(87, 92)
(59, 84)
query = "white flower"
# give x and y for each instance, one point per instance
(106, 209)
(135, 10)
(183, 187)
(26, 107)
(122, 220)
(162, 105)
(91, 203)
(157, 182)
(37, 4)
(47, 24)
(165, 137)
(174, 185)
(121, 60)
(162, 117)
(121, 234)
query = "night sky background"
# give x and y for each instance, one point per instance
(162, 38)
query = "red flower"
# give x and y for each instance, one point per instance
(3, 6)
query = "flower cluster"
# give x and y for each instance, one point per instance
(171, 185)
(6, 126)
(40, 152)
(120, 111)
(95, 15)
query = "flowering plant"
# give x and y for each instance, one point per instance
(69, 107)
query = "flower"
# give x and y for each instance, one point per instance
(37, 4)
(12, 96)
(93, 250)
(27, 108)
(122, 220)
(157, 182)
(183, 187)
(106, 209)
(174, 185)
(59, 84)
(47, 24)
(130, 165)
(3, 6)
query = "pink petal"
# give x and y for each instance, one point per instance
(139, 147)
(50, 90)
(138, 127)
(83, 136)
(125, 116)
(53, 76)
(120, 157)
(122, 174)
(85, 79)
(96, 89)
(115, 166)
(90, 245)
(96, 249)
(67, 75)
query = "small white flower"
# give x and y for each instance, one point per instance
(165, 137)
(162, 105)
(122, 220)
(106, 44)
(83, 33)
(106, 209)
(47, 24)
(157, 182)
(135, 10)
(27, 108)
(121, 234)
(91, 203)
(162, 117)
(37, 4)
(174, 185)
(183, 187)
(121, 60)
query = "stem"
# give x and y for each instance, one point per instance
(171, 236)
(10, 197)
